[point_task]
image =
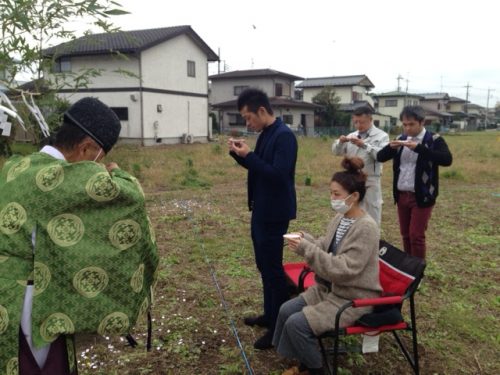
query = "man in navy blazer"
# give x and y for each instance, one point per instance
(271, 198)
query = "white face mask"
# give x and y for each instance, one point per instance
(340, 206)
(99, 154)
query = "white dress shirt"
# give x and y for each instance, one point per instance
(408, 162)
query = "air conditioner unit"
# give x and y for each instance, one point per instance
(187, 138)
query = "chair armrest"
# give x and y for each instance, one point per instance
(377, 301)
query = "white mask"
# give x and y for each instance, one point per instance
(340, 206)
(99, 154)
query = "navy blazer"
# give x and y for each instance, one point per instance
(271, 174)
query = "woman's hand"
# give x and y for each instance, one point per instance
(293, 240)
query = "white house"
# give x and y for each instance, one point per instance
(156, 80)
(392, 103)
(279, 86)
(350, 89)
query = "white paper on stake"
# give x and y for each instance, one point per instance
(6, 129)
(370, 342)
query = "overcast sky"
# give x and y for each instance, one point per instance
(438, 45)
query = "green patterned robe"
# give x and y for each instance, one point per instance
(95, 254)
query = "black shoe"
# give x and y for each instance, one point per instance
(265, 342)
(256, 321)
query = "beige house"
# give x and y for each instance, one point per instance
(458, 108)
(392, 103)
(350, 89)
(156, 80)
(279, 86)
(435, 105)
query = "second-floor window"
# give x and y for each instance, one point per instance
(62, 65)
(278, 89)
(191, 68)
(391, 102)
(356, 96)
(239, 89)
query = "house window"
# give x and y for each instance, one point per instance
(278, 89)
(121, 112)
(391, 102)
(356, 96)
(235, 119)
(239, 89)
(62, 65)
(191, 68)
(288, 119)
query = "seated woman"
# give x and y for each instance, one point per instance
(345, 263)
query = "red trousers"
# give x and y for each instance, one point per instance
(413, 222)
(57, 360)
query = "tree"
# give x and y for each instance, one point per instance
(329, 101)
(30, 26)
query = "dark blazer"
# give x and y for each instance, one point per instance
(271, 174)
(429, 158)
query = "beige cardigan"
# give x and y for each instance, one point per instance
(353, 272)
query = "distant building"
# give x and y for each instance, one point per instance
(458, 108)
(392, 103)
(156, 80)
(279, 86)
(350, 89)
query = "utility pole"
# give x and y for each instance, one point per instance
(406, 92)
(218, 61)
(487, 108)
(399, 78)
(468, 86)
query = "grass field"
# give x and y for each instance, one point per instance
(196, 196)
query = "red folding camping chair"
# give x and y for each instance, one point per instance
(400, 275)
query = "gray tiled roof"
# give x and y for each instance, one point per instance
(455, 99)
(126, 42)
(394, 94)
(435, 95)
(254, 73)
(275, 101)
(361, 80)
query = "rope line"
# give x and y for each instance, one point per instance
(224, 304)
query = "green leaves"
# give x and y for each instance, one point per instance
(28, 27)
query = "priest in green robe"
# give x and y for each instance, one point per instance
(77, 250)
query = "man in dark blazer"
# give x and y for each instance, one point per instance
(271, 198)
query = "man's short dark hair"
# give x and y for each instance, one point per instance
(364, 110)
(415, 112)
(253, 99)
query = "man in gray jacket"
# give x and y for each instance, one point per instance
(365, 142)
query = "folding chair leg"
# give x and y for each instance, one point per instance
(325, 356)
(413, 357)
(414, 336)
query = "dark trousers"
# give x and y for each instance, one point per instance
(57, 359)
(413, 222)
(268, 248)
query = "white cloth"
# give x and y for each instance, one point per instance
(406, 179)
(40, 354)
(375, 139)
